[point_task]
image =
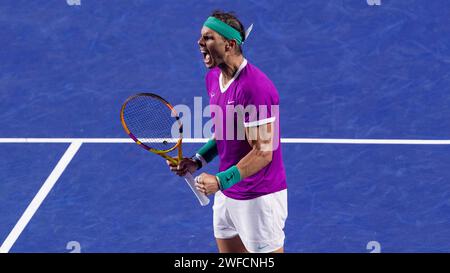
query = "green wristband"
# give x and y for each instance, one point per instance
(209, 150)
(229, 177)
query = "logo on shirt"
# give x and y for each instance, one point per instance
(230, 101)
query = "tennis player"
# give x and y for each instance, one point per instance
(250, 202)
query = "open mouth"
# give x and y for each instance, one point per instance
(206, 57)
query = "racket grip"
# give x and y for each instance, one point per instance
(203, 199)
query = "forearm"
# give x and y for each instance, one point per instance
(254, 161)
(206, 153)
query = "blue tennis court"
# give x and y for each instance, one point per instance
(364, 98)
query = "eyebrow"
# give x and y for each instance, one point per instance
(207, 33)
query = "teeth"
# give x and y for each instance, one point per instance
(206, 56)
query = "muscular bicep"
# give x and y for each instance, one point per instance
(260, 137)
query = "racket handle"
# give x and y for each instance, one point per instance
(203, 199)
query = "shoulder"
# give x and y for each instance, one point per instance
(254, 82)
(212, 74)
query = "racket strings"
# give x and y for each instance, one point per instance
(151, 122)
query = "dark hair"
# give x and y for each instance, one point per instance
(230, 19)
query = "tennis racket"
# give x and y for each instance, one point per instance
(155, 126)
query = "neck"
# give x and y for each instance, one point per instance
(230, 66)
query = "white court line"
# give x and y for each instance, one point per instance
(75, 144)
(40, 196)
(202, 140)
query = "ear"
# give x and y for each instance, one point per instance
(231, 44)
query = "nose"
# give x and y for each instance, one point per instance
(200, 42)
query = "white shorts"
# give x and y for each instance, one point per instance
(259, 222)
